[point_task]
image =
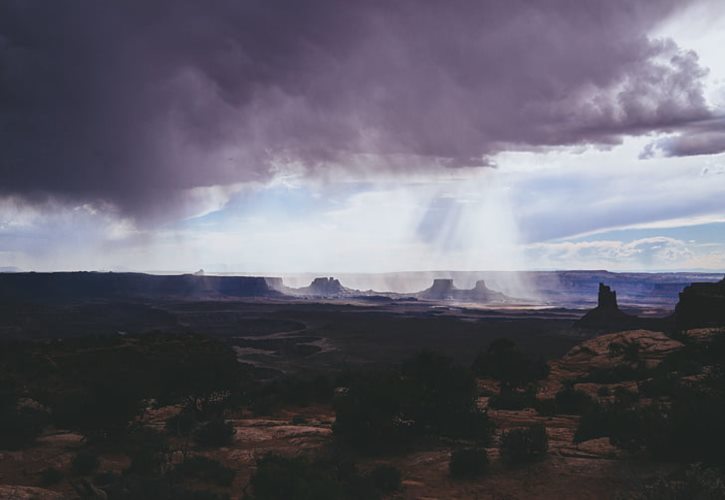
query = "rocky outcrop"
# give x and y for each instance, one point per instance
(323, 287)
(701, 305)
(443, 289)
(607, 314)
(607, 351)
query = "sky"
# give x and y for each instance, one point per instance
(286, 136)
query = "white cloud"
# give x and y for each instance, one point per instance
(655, 253)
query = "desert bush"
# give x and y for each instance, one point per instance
(572, 401)
(206, 469)
(369, 415)
(149, 452)
(439, 396)
(138, 487)
(103, 409)
(468, 463)
(524, 445)
(386, 478)
(697, 483)
(503, 361)
(20, 426)
(281, 478)
(629, 351)
(50, 476)
(615, 374)
(623, 425)
(85, 463)
(624, 397)
(430, 396)
(509, 399)
(215, 433)
(181, 424)
(690, 429)
(545, 407)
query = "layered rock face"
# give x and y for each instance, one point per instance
(443, 289)
(701, 305)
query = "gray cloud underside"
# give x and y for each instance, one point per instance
(132, 103)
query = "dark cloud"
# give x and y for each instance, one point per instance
(698, 138)
(133, 103)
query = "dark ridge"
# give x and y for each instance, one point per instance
(96, 285)
(701, 305)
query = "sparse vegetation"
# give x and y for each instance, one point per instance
(695, 483)
(509, 399)
(386, 478)
(85, 463)
(430, 396)
(468, 463)
(572, 401)
(215, 433)
(50, 476)
(503, 361)
(205, 469)
(524, 445)
(281, 478)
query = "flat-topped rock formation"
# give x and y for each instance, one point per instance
(102, 285)
(328, 287)
(701, 305)
(444, 289)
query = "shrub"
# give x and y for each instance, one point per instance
(281, 478)
(545, 407)
(85, 463)
(624, 397)
(615, 374)
(369, 415)
(572, 401)
(149, 452)
(623, 426)
(181, 424)
(20, 427)
(504, 362)
(431, 396)
(386, 478)
(696, 483)
(690, 429)
(215, 433)
(468, 463)
(524, 445)
(206, 469)
(512, 400)
(50, 476)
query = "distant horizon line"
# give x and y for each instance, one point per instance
(13, 269)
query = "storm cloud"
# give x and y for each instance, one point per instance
(134, 104)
